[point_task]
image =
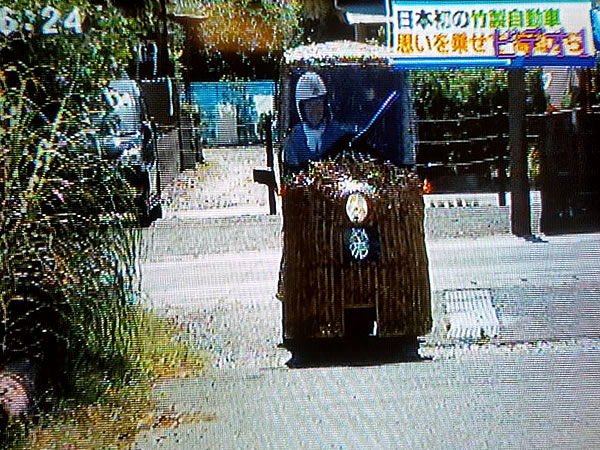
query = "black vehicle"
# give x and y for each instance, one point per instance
(126, 136)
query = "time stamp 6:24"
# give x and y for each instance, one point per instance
(48, 20)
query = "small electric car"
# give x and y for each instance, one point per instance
(354, 260)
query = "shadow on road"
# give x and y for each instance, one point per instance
(353, 352)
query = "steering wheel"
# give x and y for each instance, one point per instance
(348, 143)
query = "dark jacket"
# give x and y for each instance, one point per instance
(296, 151)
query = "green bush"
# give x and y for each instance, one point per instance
(452, 94)
(67, 250)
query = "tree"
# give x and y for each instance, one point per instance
(321, 22)
(238, 38)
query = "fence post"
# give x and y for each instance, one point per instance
(501, 165)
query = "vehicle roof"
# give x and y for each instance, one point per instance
(343, 52)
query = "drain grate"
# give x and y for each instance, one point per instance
(470, 314)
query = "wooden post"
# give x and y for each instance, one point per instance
(267, 175)
(521, 208)
(270, 162)
(501, 165)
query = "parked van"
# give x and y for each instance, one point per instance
(126, 136)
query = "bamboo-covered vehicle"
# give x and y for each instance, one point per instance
(354, 259)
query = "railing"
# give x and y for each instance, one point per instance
(471, 154)
(464, 153)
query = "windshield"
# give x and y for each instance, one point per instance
(124, 115)
(353, 95)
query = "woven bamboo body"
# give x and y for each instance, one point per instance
(320, 282)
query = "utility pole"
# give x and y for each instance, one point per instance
(520, 219)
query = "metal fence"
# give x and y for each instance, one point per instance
(232, 113)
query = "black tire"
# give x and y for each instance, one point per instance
(143, 201)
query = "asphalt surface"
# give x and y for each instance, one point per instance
(531, 380)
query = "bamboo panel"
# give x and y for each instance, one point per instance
(319, 282)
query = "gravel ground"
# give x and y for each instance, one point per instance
(223, 183)
(227, 304)
(216, 230)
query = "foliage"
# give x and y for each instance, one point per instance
(67, 258)
(67, 250)
(242, 38)
(316, 9)
(90, 58)
(127, 409)
(320, 21)
(451, 94)
(456, 94)
(349, 172)
(246, 26)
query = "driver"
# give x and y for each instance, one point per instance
(317, 132)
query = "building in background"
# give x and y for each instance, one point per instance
(368, 19)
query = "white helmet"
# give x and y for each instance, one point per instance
(310, 85)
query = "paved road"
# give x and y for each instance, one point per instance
(530, 382)
(534, 385)
(518, 400)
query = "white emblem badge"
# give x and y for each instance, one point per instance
(356, 207)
